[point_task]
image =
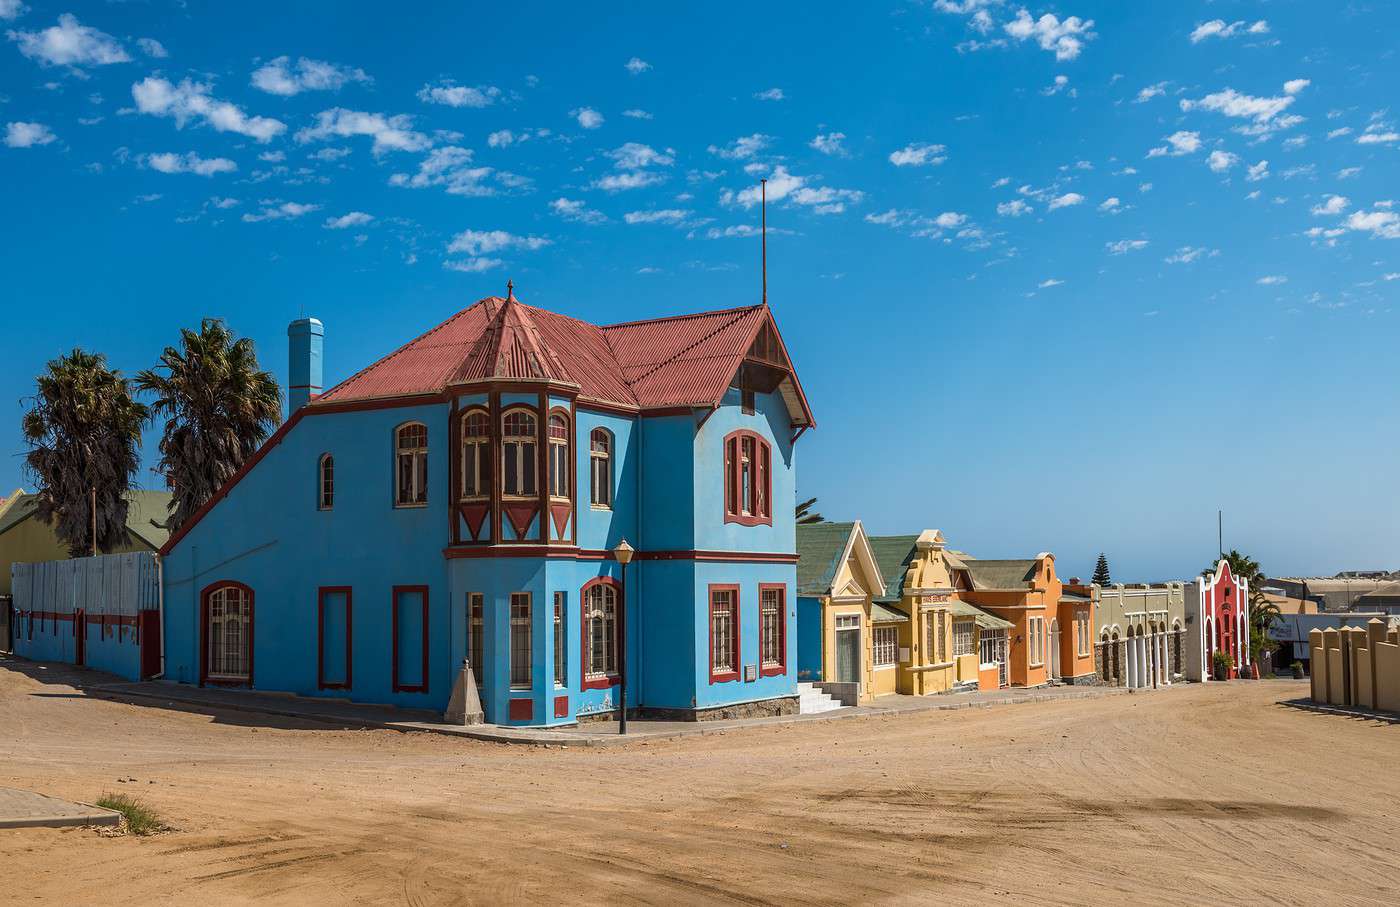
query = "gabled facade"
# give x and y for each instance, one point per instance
(460, 499)
(1217, 620)
(1141, 631)
(1053, 632)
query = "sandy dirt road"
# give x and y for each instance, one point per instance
(1197, 795)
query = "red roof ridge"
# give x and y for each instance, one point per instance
(738, 314)
(627, 324)
(385, 358)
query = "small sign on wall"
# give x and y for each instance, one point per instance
(750, 673)
(903, 653)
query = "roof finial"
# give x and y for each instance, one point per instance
(510, 289)
(763, 190)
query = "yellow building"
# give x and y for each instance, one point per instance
(26, 539)
(879, 615)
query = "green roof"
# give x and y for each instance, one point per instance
(1000, 574)
(893, 553)
(819, 550)
(984, 620)
(142, 507)
(885, 614)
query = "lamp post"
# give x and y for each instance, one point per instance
(623, 553)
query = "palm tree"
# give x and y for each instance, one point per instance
(84, 436)
(220, 407)
(804, 514)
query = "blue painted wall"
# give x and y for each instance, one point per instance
(117, 654)
(809, 639)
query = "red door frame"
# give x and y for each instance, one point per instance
(80, 637)
(398, 687)
(204, 634)
(321, 683)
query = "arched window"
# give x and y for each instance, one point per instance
(228, 629)
(476, 456)
(325, 482)
(518, 455)
(748, 479)
(601, 618)
(559, 456)
(411, 453)
(600, 445)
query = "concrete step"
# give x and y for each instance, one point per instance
(812, 701)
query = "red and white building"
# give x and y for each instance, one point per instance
(1217, 620)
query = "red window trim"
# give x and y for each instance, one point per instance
(762, 483)
(726, 676)
(321, 637)
(568, 447)
(611, 680)
(780, 669)
(398, 687)
(472, 410)
(499, 455)
(204, 633)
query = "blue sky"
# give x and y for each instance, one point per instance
(1062, 276)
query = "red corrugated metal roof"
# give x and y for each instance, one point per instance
(687, 360)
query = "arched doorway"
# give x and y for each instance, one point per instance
(1117, 661)
(1055, 648)
(1104, 658)
(226, 630)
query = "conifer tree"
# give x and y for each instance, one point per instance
(1101, 575)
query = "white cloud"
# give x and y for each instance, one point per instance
(451, 95)
(1217, 28)
(330, 154)
(636, 66)
(1338, 133)
(152, 48)
(1111, 205)
(829, 143)
(449, 167)
(1049, 282)
(1187, 254)
(28, 135)
(1178, 143)
(1067, 200)
(1257, 172)
(1385, 224)
(1347, 173)
(587, 117)
(223, 203)
(1014, 208)
(1334, 205)
(191, 101)
(1221, 161)
(1150, 92)
(1124, 246)
(273, 157)
(273, 210)
(1377, 134)
(663, 216)
(636, 156)
(1391, 276)
(485, 242)
(744, 147)
(637, 114)
(572, 209)
(1060, 84)
(392, 133)
(1271, 280)
(632, 179)
(1293, 86)
(771, 94)
(473, 265)
(345, 221)
(919, 155)
(1065, 38)
(12, 9)
(825, 199)
(500, 138)
(280, 77)
(781, 184)
(70, 43)
(1233, 104)
(189, 162)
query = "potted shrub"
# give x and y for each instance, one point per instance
(1297, 670)
(1222, 663)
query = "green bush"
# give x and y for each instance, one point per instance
(140, 819)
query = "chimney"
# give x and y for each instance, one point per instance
(304, 341)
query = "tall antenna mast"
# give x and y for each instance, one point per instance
(763, 191)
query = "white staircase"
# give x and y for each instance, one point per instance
(813, 701)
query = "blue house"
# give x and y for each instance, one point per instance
(461, 499)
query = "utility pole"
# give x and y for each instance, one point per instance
(94, 520)
(1220, 533)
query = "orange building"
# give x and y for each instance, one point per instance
(1053, 630)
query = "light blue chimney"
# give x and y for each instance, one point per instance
(305, 337)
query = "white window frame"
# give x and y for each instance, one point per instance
(964, 631)
(1081, 629)
(229, 606)
(513, 447)
(600, 604)
(884, 643)
(476, 487)
(417, 457)
(561, 649)
(600, 469)
(522, 654)
(1035, 629)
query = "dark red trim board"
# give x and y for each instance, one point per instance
(726, 676)
(413, 688)
(612, 680)
(321, 682)
(781, 589)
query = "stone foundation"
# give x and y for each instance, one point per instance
(766, 708)
(1083, 680)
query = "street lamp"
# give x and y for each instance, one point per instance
(623, 553)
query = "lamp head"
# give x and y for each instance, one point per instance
(623, 552)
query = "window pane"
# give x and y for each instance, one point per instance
(477, 636)
(560, 664)
(520, 667)
(511, 460)
(722, 631)
(528, 469)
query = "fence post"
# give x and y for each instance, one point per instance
(1317, 657)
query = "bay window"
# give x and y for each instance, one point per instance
(518, 444)
(748, 480)
(558, 456)
(476, 457)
